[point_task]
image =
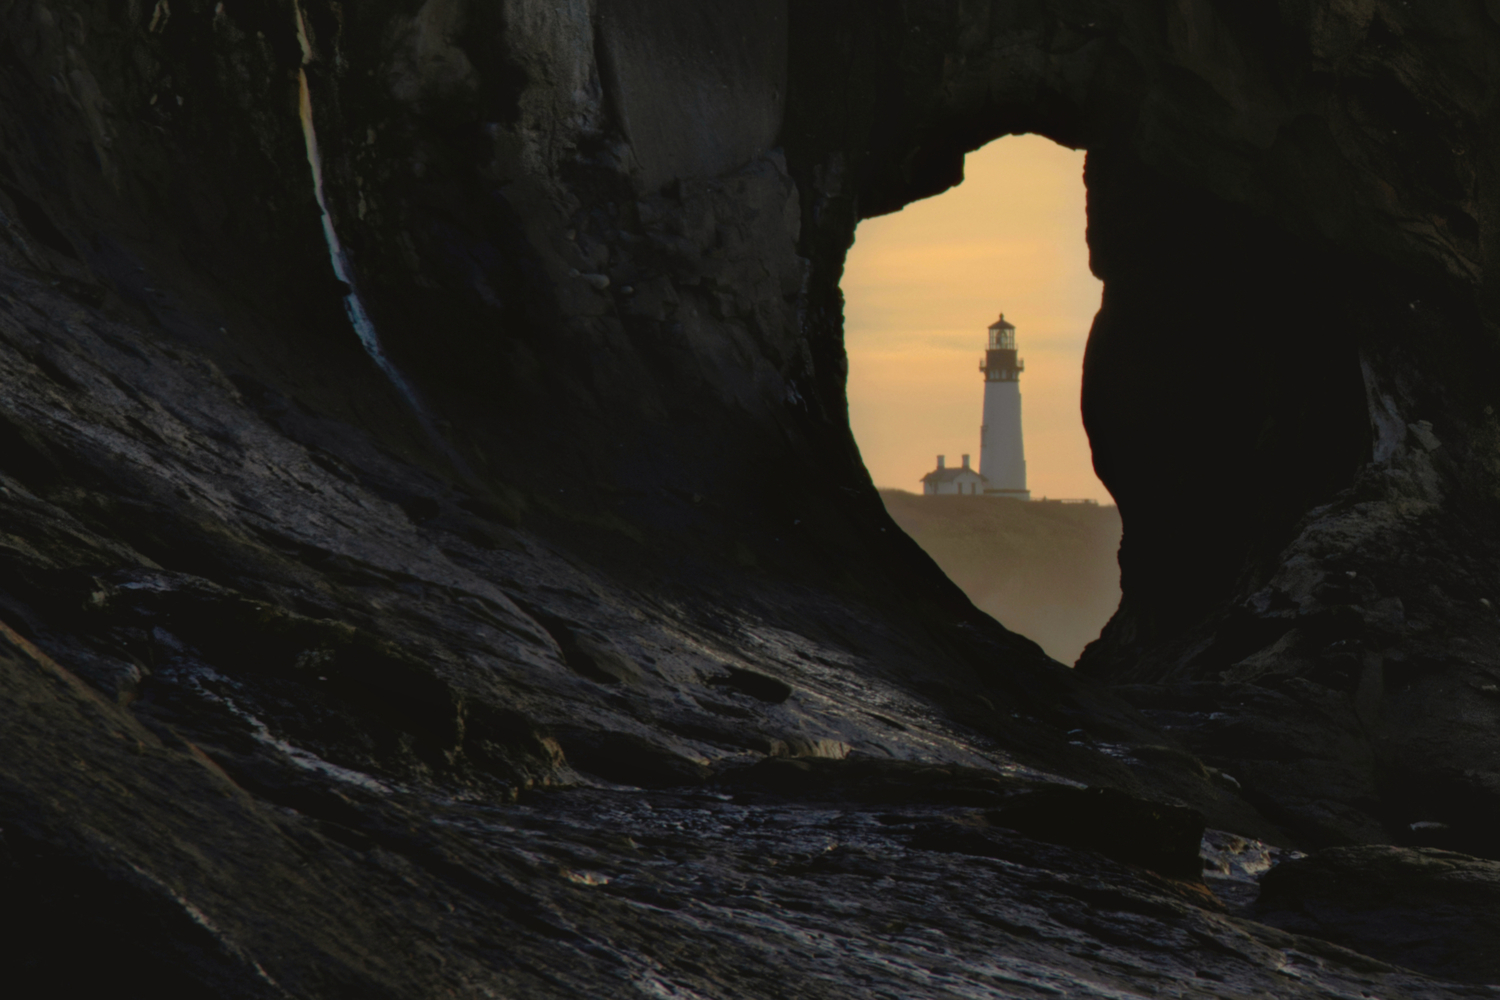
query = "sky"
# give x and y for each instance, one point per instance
(921, 287)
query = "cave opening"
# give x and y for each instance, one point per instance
(920, 288)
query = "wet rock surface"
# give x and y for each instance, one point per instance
(282, 882)
(434, 559)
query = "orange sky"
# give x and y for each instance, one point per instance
(921, 286)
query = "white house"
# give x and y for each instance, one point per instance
(946, 480)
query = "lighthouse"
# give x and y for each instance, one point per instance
(1002, 456)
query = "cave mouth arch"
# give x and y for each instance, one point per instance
(919, 286)
(1226, 221)
(1213, 443)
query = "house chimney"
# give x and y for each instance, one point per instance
(966, 461)
(940, 460)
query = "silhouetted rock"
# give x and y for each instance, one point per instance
(1163, 838)
(1429, 910)
(876, 782)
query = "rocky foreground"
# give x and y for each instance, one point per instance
(434, 560)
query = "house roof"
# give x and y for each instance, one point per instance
(948, 475)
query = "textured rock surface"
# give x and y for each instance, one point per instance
(562, 646)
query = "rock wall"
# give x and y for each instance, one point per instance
(435, 558)
(1286, 387)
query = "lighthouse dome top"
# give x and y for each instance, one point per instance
(1002, 335)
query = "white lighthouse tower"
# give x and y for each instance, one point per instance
(1002, 456)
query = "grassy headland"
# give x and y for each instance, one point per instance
(1044, 569)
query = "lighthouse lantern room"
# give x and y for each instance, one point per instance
(1002, 455)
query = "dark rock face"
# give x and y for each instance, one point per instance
(434, 559)
(1422, 908)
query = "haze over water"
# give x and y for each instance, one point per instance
(920, 287)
